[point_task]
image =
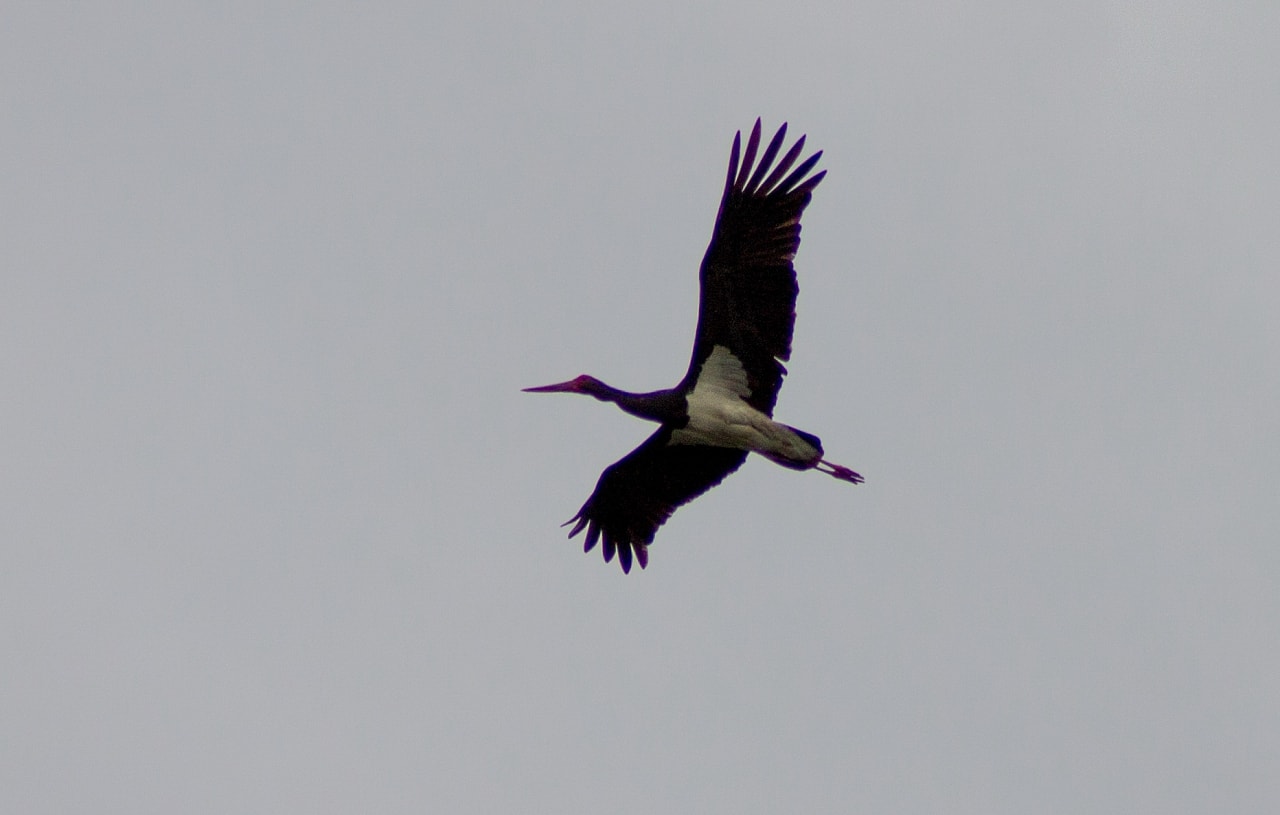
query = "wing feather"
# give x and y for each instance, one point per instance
(766, 160)
(638, 493)
(748, 281)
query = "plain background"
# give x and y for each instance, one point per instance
(280, 533)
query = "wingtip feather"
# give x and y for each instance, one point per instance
(800, 172)
(807, 186)
(749, 157)
(783, 166)
(582, 522)
(733, 162)
(593, 535)
(766, 160)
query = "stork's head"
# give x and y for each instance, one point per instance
(581, 384)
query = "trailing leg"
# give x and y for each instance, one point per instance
(838, 471)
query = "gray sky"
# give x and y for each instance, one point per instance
(280, 533)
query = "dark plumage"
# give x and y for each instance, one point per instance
(745, 321)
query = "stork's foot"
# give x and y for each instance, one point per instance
(838, 471)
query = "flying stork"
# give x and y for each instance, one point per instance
(722, 408)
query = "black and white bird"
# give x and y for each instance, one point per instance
(723, 407)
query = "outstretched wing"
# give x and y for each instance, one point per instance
(637, 494)
(748, 302)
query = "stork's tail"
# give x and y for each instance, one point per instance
(816, 461)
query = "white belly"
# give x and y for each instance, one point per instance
(719, 418)
(742, 427)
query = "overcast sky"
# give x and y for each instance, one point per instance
(279, 532)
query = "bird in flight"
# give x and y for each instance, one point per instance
(723, 407)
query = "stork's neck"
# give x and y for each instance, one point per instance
(656, 406)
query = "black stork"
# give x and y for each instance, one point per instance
(722, 408)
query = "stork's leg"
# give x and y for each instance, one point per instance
(839, 471)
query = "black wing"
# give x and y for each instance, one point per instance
(749, 286)
(637, 494)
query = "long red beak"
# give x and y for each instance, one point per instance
(560, 387)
